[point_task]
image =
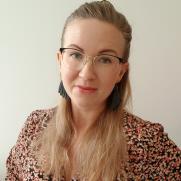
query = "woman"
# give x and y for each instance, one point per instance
(90, 135)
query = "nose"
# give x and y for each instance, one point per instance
(87, 72)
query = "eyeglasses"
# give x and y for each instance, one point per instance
(75, 60)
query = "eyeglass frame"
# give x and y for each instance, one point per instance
(121, 60)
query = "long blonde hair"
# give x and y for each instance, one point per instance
(102, 152)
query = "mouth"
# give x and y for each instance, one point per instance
(86, 89)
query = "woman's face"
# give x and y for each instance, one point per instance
(89, 87)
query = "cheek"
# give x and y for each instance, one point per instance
(108, 83)
(67, 77)
(114, 77)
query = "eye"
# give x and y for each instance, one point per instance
(105, 59)
(76, 55)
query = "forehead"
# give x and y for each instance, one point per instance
(93, 35)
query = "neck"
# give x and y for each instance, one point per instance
(85, 117)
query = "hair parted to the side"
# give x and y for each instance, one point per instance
(102, 153)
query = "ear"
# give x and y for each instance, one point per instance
(59, 57)
(123, 69)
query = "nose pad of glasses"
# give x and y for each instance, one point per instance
(88, 59)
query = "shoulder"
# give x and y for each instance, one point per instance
(19, 157)
(38, 120)
(147, 133)
(40, 116)
(33, 126)
(152, 154)
(137, 127)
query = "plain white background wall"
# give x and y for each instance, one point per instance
(29, 76)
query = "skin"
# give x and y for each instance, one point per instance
(105, 38)
(93, 37)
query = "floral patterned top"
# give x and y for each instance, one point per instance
(152, 155)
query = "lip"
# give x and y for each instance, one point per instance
(86, 89)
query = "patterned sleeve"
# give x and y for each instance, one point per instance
(152, 154)
(12, 168)
(15, 158)
(167, 155)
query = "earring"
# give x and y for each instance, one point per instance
(62, 91)
(114, 99)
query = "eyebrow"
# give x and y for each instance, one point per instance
(108, 50)
(75, 46)
(100, 52)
